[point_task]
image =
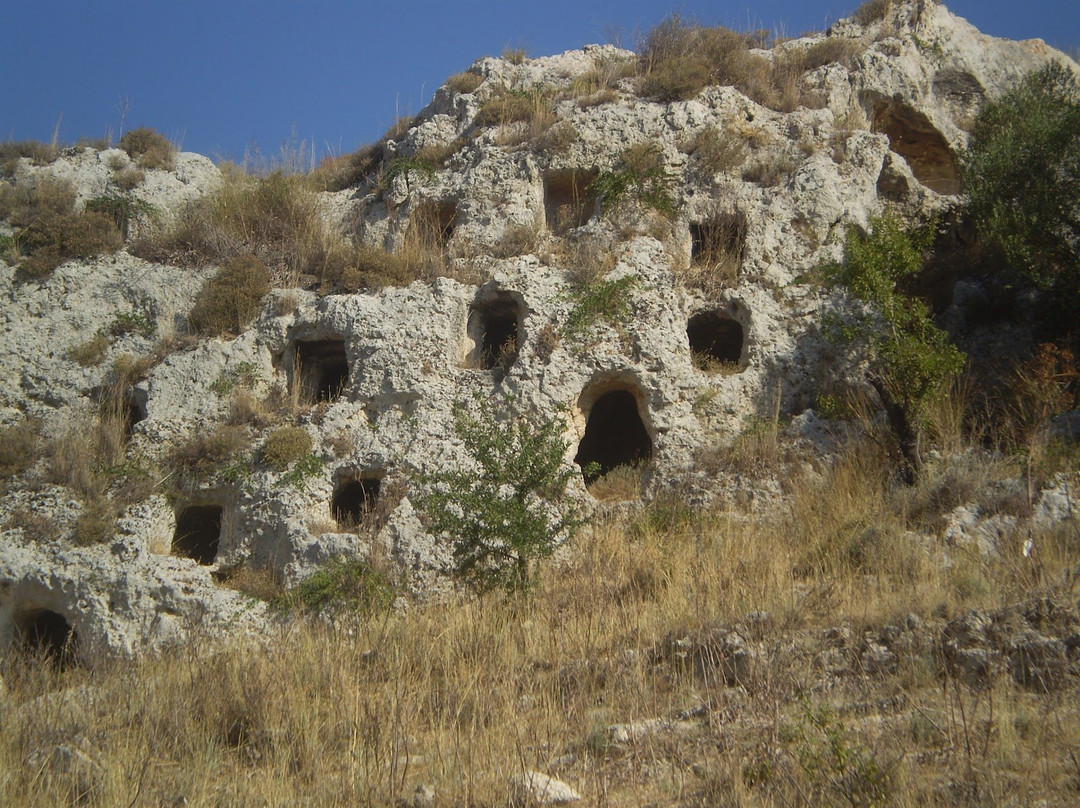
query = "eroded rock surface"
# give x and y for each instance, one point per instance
(388, 366)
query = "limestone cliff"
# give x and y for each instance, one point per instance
(373, 376)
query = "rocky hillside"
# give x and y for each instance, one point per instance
(214, 379)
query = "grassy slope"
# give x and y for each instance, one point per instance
(630, 626)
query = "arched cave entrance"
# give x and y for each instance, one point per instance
(322, 370)
(569, 199)
(41, 632)
(198, 533)
(716, 341)
(913, 137)
(354, 499)
(615, 436)
(495, 326)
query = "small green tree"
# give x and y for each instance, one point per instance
(503, 513)
(1021, 172)
(910, 361)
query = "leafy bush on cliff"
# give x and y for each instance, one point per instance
(910, 361)
(1022, 174)
(505, 513)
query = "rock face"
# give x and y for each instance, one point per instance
(376, 375)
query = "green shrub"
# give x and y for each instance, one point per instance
(639, 177)
(148, 148)
(132, 322)
(285, 446)
(231, 299)
(341, 586)
(505, 511)
(910, 360)
(600, 300)
(1022, 174)
(303, 469)
(834, 767)
(123, 209)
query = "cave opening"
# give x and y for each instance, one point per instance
(718, 243)
(615, 437)
(433, 222)
(47, 634)
(495, 327)
(569, 199)
(198, 533)
(134, 411)
(913, 137)
(322, 370)
(354, 500)
(716, 341)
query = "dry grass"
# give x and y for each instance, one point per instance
(634, 623)
(533, 109)
(717, 151)
(275, 218)
(284, 446)
(49, 230)
(148, 148)
(19, 444)
(37, 152)
(229, 301)
(463, 83)
(717, 249)
(677, 60)
(347, 170)
(621, 484)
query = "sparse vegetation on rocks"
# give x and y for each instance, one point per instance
(683, 540)
(286, 446)
(230, 300)
(148, 148)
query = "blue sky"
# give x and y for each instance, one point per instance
(220, 77)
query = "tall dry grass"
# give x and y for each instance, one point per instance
(464, 694)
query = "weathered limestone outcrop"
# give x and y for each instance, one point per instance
(375, 375)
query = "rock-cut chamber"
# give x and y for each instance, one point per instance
(615, 436)
(198, 533)
(41, 632)
(322, 370)
(354, 499)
